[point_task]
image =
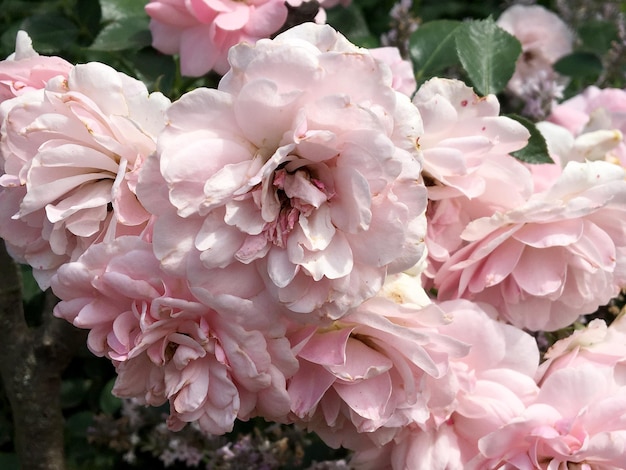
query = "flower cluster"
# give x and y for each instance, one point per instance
(315, 242)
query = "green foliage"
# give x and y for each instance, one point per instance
(30, 288)
(109, 403)
(33, 298)
(352, 24)
(430, 10)
(485, 51)
(536, 151)
(432, 48)
(597, 36)
(580, 65)
(126, 33)
(116, 10)
(125, 26)
(51, 32)
(488, 54)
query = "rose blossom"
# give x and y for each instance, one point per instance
(214, 359)
(71, 152)
(564, 147)
(403, 75)
(597, 344)
(577, 421)
(545, 38)
(480, 392)
(289, 172)
(25, 70)
(202, 31)
(574, 231)
(596, 114)
(467, 166)
(361, 379)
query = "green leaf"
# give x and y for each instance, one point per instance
(7, 40)
(30, 288)
(488, 54)
(597, 36)
(108, 402)
(127, 33)
(536, 151)
(352, 24)
(157, 71)
(579, 65)
(116, 10)
(51, 33)
(89, 16)
(432, 48)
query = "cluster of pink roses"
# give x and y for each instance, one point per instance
(265, 249)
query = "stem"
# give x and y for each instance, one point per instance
(31, 363)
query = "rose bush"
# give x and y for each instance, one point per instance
(331, 236)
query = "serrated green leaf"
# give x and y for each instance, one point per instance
(108, 402)
(127, 33)
(579, 65)
(116, 10)
(50, 33)
(488, 54)
(432, 48)
(536, 151)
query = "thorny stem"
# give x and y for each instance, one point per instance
(31, 362)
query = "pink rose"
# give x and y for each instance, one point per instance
(214, 359)
(596, 118)
(575, 231)
(202, 31)
(71, 152)
(290, 174)
(362, 380)
(563, 146)
(596, 345)
(415, 449)
(25, 70)
(467, 167)
(402, 70)
(577, 421)
(490, 385)
(545, 38)
(480, 392)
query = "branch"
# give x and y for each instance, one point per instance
(31, 363)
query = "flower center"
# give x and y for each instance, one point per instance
(297, 193)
